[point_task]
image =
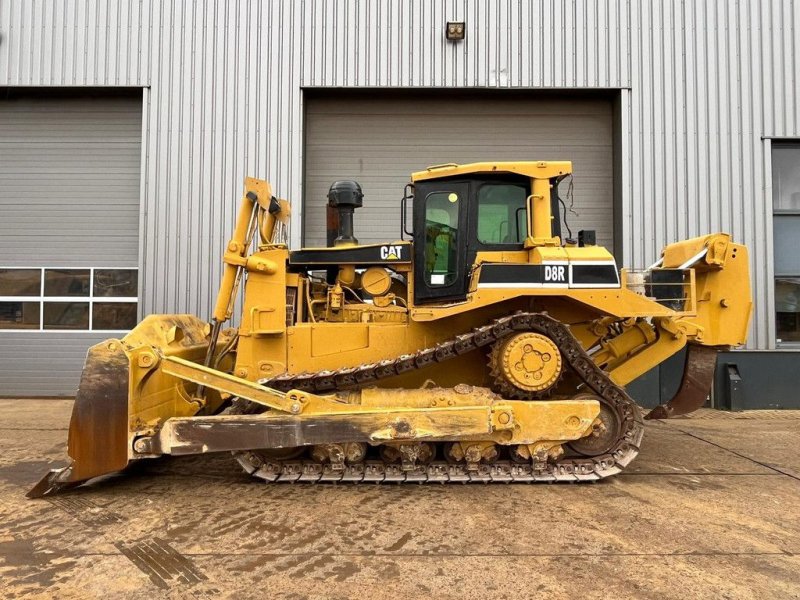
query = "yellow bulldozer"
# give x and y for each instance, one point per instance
(487, 347)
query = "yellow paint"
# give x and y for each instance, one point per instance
(531, 361)
(533, 169)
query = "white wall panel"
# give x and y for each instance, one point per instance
(702, 83)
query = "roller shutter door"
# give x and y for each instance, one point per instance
(379, 141)
(69, 198)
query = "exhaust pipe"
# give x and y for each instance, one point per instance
(343, 198)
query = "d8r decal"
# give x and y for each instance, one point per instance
(555, 274)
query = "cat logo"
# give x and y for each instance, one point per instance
(391, 252)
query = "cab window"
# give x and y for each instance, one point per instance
(501, 213)
(441, 238)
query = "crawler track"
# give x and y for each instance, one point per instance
(572, 468)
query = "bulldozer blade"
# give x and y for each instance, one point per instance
(698, 377)
(98, 429)
(52, 483)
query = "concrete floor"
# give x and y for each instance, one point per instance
(709, 509)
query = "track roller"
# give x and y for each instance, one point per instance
(473, 453)
(536, 454)
(408, 455)
(338, 454)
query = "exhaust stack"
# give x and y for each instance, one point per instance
(343, 198)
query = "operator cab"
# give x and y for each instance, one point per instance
(457, 217)
(495, 209)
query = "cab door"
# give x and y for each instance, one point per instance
(441, 210)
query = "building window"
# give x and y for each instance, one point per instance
(88, 299)
(786, 233)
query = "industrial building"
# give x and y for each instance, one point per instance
(126, 129)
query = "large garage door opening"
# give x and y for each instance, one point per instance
(69, 232)
(379, 139)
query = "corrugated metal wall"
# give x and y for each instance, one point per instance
(701, 83)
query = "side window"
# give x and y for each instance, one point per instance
(441, 238)
(501, 214)
(786, 231)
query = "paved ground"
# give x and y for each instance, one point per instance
(709, 509)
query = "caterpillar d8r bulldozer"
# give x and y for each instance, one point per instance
(486, 348)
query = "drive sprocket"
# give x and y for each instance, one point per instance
(525, 366)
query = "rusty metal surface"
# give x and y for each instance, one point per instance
(98, 429)
(194, 435)
(698, 377)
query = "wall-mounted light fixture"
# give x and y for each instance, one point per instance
(455, 31)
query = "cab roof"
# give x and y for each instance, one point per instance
(534, 169)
